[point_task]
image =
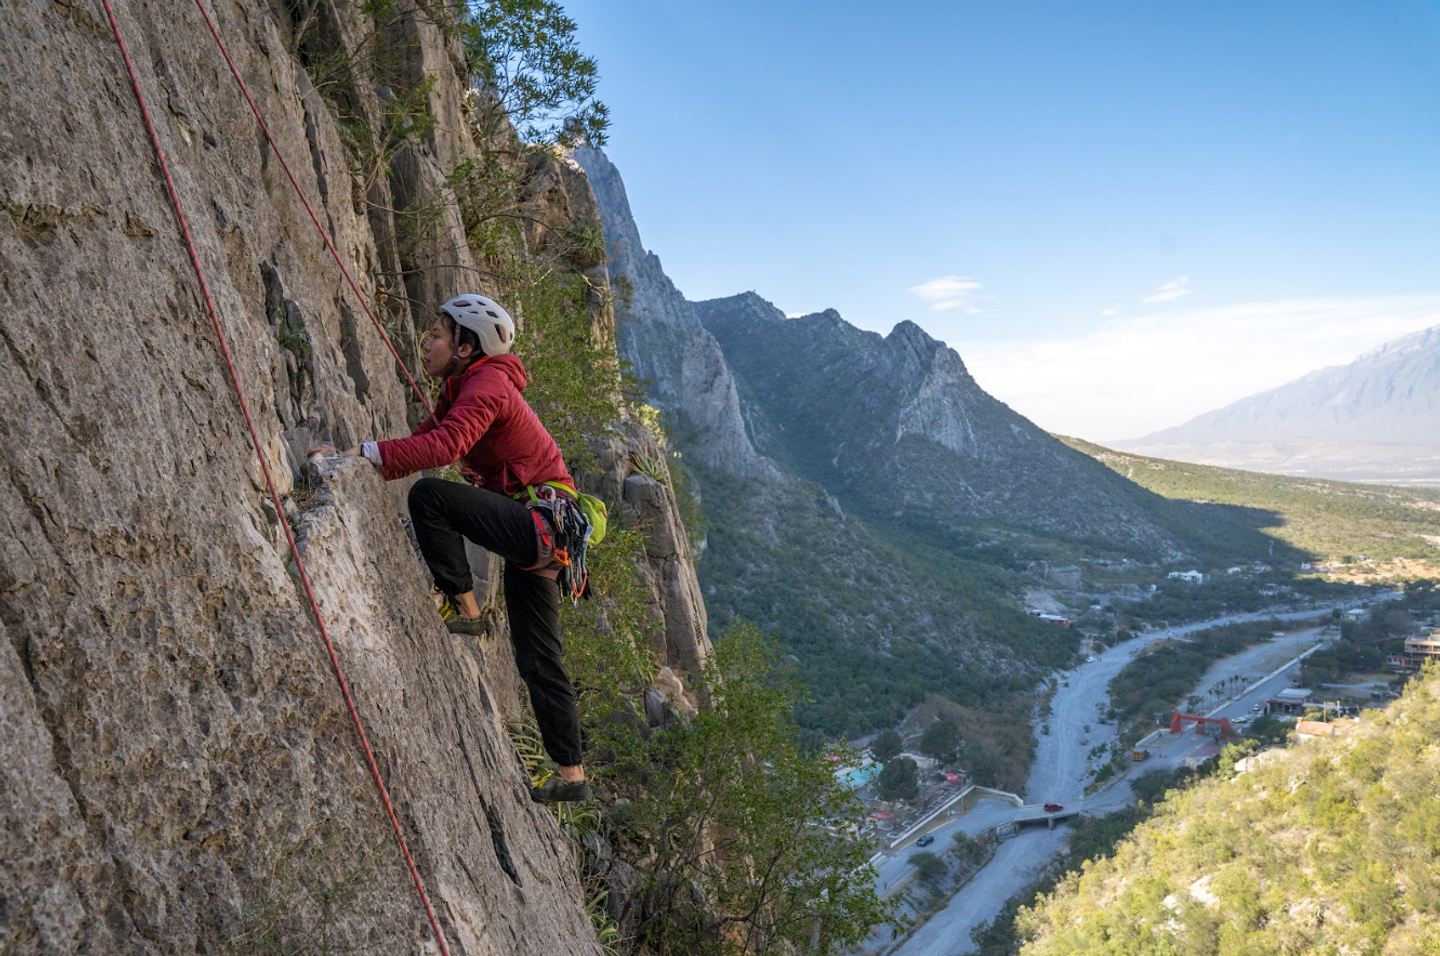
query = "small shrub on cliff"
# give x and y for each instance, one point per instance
(574, 377)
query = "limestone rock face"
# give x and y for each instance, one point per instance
(179, 770)
(665, 344)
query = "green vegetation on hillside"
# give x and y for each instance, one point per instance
(1329, 520)
(1221, 594)
(876, 628)
(1334, 847)
(1149, 688)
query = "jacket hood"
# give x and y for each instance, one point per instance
(510, 365)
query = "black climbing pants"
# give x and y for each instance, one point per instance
(444, 513)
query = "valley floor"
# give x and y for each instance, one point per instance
(1060, 774)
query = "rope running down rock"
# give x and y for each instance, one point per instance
(270, 482)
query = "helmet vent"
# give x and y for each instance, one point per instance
(491, 313)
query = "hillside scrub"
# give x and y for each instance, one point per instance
(1177, 602)
(1327, 520)
(1331, 848)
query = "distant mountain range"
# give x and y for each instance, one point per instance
(1376, 419)
(870, 504)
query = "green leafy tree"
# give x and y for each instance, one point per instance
(899, 780)
(526, 58)
(1269, 729)
(940, 739)
(886, 746)
(929, 868)
(1233, 754)
(967, 847)
(1152, 785)
(734, 812)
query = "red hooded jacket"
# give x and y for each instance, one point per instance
(482, 421)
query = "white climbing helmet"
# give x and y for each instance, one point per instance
(486, 319)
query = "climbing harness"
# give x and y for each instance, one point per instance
(304, 576)
(563, 534)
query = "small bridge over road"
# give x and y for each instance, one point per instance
(1032, 814)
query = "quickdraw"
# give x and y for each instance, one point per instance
(563, 529)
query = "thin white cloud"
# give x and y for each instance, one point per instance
(1170, 291)
(948, 292)
(1113, 310)
(1134, 376)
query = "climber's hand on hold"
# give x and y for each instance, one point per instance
(330, 450)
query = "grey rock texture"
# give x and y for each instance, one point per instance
(179, 773)
(1376, 418)
(665, 344)
(681, 634)
(896, 422)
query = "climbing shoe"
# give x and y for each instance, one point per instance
(560, 790)
(472, 626)
(457, 623)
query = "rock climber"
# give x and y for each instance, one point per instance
(482, 421)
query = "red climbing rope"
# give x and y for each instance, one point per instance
(274, 495)
(245, 91)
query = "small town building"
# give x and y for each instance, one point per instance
(1292, 700)
(922, 762)
(1201, 754)
(1423, 647)
(1194, 577)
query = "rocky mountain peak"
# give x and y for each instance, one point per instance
(898, 421)
(684, 372)
(914, 349)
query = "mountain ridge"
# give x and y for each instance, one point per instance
(1377, 417)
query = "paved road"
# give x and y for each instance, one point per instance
(1059, 775)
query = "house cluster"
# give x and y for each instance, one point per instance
(1194, 577)
(1417, 651)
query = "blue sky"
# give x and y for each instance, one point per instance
(1120, 214)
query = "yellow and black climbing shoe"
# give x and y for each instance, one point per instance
(560, 790)
(458, 623)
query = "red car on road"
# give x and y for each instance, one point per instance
(1053, 807)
